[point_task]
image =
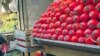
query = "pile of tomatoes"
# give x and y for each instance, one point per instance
(70, 21)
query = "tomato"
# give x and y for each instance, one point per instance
(71, 32)
(89, 40)
(78, 10)
(54, 37)
(57, 10)
(76, 19)
(98, 7)
(49, 36)
(41, 35)
(99, 16)
(88, 8)
(61, 37)
(49, 20)
(79, 33)
(67, 11)
(69, 26)
(58, 31)
(54, 19)
(95, 2)
(63, 8)
(52, 14)
(83, 25)
(74, 39)
(45, 36)
(51, 25)
(85, 2)
(98, 25)
(75, 26)
(57, 24)
(64, 31)
(52, 31)
(57, 15)
(69, 20)
(98, 41)
(63, 17)
(67, 38)
(93, 14)
(81, 39)
(63, 25)
(71, 13)
(72, 5)
(92, 23)
(96, 33)
(84, 17)
(40, 30)
(48, 30)
(87, 32)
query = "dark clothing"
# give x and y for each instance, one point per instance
(2, 41)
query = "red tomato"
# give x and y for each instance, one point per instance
(83, 25)
(52, 31)
(64, 31)
(69, 20)
(49, 36)
(48, 30)
(84, 17)
(57, 10)
(96, 33)
(95, 2)
(89, 40)
(92, 23)
(79, 33)
(57, 24)
(98, 7)
(41, 35)
(67, 11)
(99, 16)
(74, 39)
(57, 15)
(85, 2)
(76, 19)
(88, 8)
(98, 41)
(69, 26)
(49, 20)
(63, 17)
(98, 25)
(52, 14)
(72, 5)
(81, 40)
(63, 25)
(63, 8)
(61, 37)
(67, 38)
(58, 31)
(51, 25)
(93, 14)
(71, 33)
(54, 19)
(75, 26)
(87, 32)
(54, 37)
(78, 10)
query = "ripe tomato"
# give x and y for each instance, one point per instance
(75, 26)
(78, 10)
(57, 24)
(98, 41)
(63, 25)
(51, 25)
(67, 11)
(74, 39)
(67, 38)
(72, 5)
(83, 25)
(76, 19)
(54, 19)
(98, 7)
(92, 23)
(84, 17)
(87, 32)
(79, 33)
(71, 33)
(81, 39)
(54, 37)
(58, 31)
(96, 33)
(95, 2)
(63, 17)
(52, 31)
(57, 15)
(64, 31)
(89, 40)
(61, 37)
(93, 14)
(85, 2)
(69, 20)
(69, 26)
(98, 25)
(88, 8)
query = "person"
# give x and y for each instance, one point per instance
(2, 41)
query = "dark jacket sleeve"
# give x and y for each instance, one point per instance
(2, 40)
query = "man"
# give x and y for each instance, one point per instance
(2, 41)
